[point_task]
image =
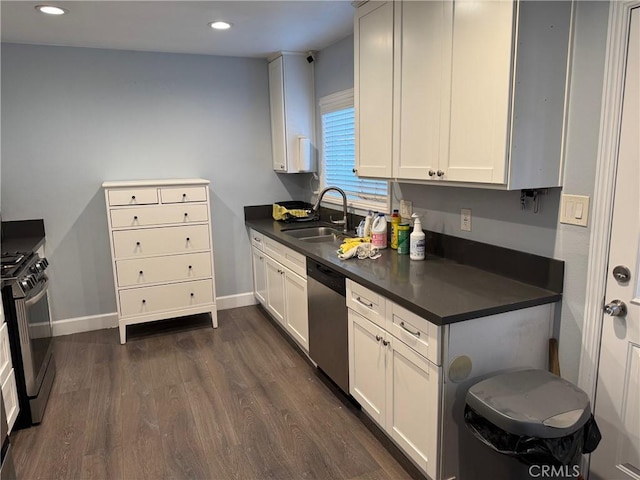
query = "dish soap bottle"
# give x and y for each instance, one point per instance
(417, 240)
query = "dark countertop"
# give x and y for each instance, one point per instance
(22, 235)
(439, 289)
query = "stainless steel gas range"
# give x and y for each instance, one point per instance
(26, 306)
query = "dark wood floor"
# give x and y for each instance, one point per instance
(187, 401)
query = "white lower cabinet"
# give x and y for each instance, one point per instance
(296, 314)
(398, 388)
(275, 289)
(259, 276)
(280, 285)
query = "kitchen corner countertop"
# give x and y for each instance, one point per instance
(438, 289)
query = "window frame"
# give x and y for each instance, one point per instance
(331, 103)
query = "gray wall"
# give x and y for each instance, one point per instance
(74, 117)
(496, 216)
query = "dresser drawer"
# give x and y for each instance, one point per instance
(5, 353)
(295, 261)
(414, 331)
(183, 194)
(158, 215)
(142, 271)
(257, 240)
(158, 241)
(146, 300)
(366, 302)
(133, 196)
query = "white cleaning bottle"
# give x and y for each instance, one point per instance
(367, 224)
(379, 231)
(417, 240)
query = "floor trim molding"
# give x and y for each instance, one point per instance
(89, 323)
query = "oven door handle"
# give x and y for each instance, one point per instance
(38, 296)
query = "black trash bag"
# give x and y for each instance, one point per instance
(533, 450)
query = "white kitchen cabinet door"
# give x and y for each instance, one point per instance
(480, 91)
(367, 364)
(275, 289)
(296, 313)
(413, 404)
(373, 92)
(259, 276)
(423, 58)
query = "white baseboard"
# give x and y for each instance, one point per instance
(234, 301)
(84, 324)
(110, 320)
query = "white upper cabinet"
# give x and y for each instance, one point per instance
(478, 92)
(291, 96)
(423, 51)
(373, 95)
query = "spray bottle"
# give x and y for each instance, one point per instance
(417, 240)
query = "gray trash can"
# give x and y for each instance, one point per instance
(535, 416)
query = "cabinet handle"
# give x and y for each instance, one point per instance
(378, 338)
(257, 239)
(415, 334)
(440, 173)
(188, 239)
(431, 173)
(193, 294)
(141, 272)
(135, 217)
(355, 170)
(190, 267)
(133, 197)
(385, 343)
(368, 305)
(137, 244)
(184, 195)
(144, 301)
(186, 214)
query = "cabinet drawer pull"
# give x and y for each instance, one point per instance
(385, 343)
(190, 267)
(415, 334)
(144, 301)
(135, 217)
(188, 239)
(186, 214)
(137, 244)
(133, 197)
(257, 239)
(368, 305)
(378, 338)
(193, 294)
(184, 195)
(431, 173)
(440, 173)
(141, 272)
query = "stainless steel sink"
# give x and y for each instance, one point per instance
(316, 234)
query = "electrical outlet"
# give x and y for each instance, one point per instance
(406, 208)
(465, 219)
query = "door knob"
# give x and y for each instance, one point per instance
(616, 308)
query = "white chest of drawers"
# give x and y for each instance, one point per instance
(161, 249)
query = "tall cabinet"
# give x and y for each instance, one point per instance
(161, 249)
(463, 92)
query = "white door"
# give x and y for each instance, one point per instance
(259, 276)
(617, 404)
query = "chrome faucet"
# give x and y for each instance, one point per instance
(342, 222)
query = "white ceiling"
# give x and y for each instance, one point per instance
(260, 28)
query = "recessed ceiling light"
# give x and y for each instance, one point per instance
(51, 10)
(220, 25)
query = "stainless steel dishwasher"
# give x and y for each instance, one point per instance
(328, 322)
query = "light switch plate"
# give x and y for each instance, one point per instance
(406, 208)
(574, 210)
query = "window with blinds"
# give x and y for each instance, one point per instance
(338, 156)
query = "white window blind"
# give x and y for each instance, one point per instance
(338, 156)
